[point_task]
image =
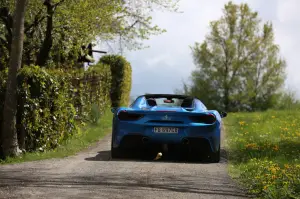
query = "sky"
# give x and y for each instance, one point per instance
(162, 67)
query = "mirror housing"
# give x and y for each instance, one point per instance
(223, 114)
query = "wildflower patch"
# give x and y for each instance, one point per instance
(263, 150)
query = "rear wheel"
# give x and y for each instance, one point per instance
(215, 156)
(116, 153)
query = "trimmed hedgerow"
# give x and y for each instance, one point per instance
(91, 92)
(52, 103)
(45, 114)
(121, 79)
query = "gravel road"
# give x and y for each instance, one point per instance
(92, 174)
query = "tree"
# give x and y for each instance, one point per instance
(56, 29)
(238, 64)
(9, 134)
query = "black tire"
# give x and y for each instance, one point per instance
(115, 153)
(215, 156)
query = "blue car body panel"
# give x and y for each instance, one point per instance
(164, 116)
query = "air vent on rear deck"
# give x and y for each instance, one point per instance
(165, 122)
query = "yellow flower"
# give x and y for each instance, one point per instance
(286, 166)
(242, 123)
(273, 116)
(265, 187)
(276, 148)
(251, 146)
(273, 170)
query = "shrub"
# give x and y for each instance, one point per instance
(52, 102)
(91, 88)
(121, 79)
(45, 114)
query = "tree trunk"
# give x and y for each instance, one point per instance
(43, 55)
(9, 133)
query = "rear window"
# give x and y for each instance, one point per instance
(165, 102)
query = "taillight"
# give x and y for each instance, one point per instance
(205, 119)
(126, 116)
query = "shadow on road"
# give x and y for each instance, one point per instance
(109, 183)
(169, 158)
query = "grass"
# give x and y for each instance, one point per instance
(86, 137)
(264, 152)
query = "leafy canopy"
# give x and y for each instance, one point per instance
(238, 64)
(62, 26)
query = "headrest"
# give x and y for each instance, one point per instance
(151, 102)
(187, 102)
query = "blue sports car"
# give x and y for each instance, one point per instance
(164, 122)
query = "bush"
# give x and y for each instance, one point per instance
(121, 79)
(91, 88)
(287, 100)
(45, 114)
(52, 102)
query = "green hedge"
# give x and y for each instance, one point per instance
(51, 103)
(45, 114)
(121, 79)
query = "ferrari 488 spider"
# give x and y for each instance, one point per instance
(167, 121)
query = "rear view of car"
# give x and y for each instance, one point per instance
(165, 122)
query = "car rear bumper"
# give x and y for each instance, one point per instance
(141, 141)
(132, 141)
(132, 135)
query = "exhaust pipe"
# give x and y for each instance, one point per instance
(145, 139)
(185, 141)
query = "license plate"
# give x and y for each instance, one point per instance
(165, 130)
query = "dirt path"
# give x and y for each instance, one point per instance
(91, 174)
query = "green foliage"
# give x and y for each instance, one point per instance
(76, 23)
(45, 109)
(91, 87)
(121, 79)
(264, 152)
(95, 113)
(238, 65)
(52, 102)
(86, 137)
(287, 101)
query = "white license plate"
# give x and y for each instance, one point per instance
(165, 130)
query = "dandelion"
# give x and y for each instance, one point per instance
(242, 123)
(285, 129)
(273, 170)
(286, 166)
(251, 146)
(276, 148)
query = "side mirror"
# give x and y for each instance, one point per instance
(113, 110)
(223, 114)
